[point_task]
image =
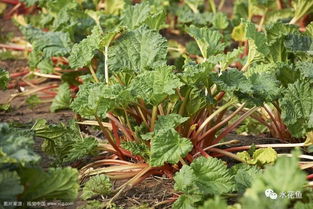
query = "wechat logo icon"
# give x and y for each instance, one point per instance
(271, 194)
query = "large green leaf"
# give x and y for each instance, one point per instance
(244, 176)
(53, 184)
(83, 52)
(98, 99)
(138, 50)
(256, 88)
(134, 15)
(168, 146)
(166, 122)
(155, 86)
(297, 107)
(206, 176)
(299, 43)
(10, 185)
(257, 43)
(278, 180)
(64, 143)
(208, 40)
(16, 146)
(63, 99)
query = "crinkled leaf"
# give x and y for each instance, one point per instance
(63, 99)
(256, 38)
(10, 185)
(244, 176)
(65, 143)
(186, 15)
(275, 178)
(187, 202)
(196, 74)
(168, 146)
(224, 60)
(205, 176)
(53, 184)
(134, 15)
(208, 40)
(256, 89)
(4, 78)
(155, 86)
(220, 21)
(83, 52)
(97, 185)
(234, 81)
(16, 146)
(98, 98)
(136, 148)
(157, 21)
(299, 43)
(265, 88)
(140, 49)
(217, 202)
(306, 69)
(52, 43)
(297, 107)
(170, 121)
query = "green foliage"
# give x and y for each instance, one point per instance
(168, 146)
(83, 52)
(48, 43)
(4, 79)
(56, 183)
(244, 176)
(141, 49)
(260, 156)
(297, 107)
(33, 101)
(299, 43)
(96, 185)
(10, 185)
(276, 178)
(208, 40)
(204, 177)
(155, 86)
(135, 16)
(96, 99)
(16, 146)
(256, 89)
(63, 99)
(64, 143)
(217, 202)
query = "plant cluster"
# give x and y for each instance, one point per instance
(165, 82)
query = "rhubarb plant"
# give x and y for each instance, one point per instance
(162, 84)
